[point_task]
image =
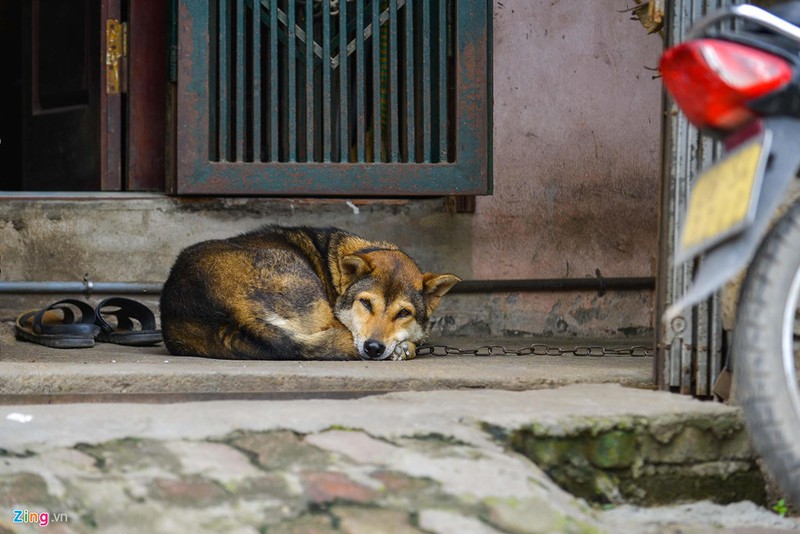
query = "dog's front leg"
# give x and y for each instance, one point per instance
(405, 350)
(334, 343)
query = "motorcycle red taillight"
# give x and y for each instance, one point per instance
(712, 81)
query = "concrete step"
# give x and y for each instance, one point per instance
(435, 461)
(603, 443)
(106, 372)
(648, 456)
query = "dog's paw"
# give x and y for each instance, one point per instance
(405, 350)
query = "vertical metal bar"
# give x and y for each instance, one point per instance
(241, 61)
(689, 356)
(410, 87)
(667, 335)
(377, 89)
(224, 82)
(326, 82)
(704, 333)
(256, 59)
(697, 317)
(679, 333)
(213, 81)
(393, 80)
(309, 81)
(442, 100)
(291, 65)
(715, 341)
(344, 103)
(361, 82)
(700, 341)
(274, 142)
(427, 142)
(686, 164)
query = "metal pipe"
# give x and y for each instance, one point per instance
(87, 287)
(556, 284)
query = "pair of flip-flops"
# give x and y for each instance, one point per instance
(71, 323)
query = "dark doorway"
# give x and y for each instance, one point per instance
(60, 95)
(49, 95)
(61, 127)
(11, 95)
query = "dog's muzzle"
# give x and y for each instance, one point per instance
(374, 349)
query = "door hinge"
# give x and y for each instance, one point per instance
(116, 55)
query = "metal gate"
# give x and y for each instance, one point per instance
(690, 348)
(334, 97)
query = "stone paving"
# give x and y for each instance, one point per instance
(434, 462)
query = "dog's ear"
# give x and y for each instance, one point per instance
(351, 268)
(434, 286)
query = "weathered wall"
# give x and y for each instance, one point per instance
(576, 143)
(119, 238)
(576, 137)
(576, 155)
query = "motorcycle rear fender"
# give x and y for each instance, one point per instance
(727, 259)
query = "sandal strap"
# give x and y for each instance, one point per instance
(85, 325)
(127, 309)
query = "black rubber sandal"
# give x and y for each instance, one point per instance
(125, 332)
(56, 326)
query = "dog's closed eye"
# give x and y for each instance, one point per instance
(366, 303)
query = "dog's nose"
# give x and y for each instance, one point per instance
(374, 348)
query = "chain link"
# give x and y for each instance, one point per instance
(536, 349)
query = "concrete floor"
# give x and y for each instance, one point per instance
(106, 372)
(319, 457)
(404, 462)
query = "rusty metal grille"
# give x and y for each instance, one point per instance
(349, 81)
(334, 96)
(691, 348)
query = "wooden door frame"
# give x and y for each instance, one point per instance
(133, 122)
(146, 98)
(110, 110)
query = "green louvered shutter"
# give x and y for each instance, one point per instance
(334, 97)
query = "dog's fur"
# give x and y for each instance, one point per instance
(298, 293)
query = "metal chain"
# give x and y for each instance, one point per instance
(536, 349)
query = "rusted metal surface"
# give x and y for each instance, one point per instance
(239, 66)
(377, 81)
(115, 52)
(273, 85)
(441, 73)
(310, 83)
(410, 101)
(361, 82)
(353, 129)
(291, 68)
(690, 347)
(393, 79)
(344, 82)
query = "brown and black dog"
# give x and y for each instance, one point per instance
(298, 293)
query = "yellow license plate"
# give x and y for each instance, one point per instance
(724, 197)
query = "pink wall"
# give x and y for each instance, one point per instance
(576, 143)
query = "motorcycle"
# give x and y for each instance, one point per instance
(742, 86)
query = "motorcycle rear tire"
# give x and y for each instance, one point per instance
(765, 365)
